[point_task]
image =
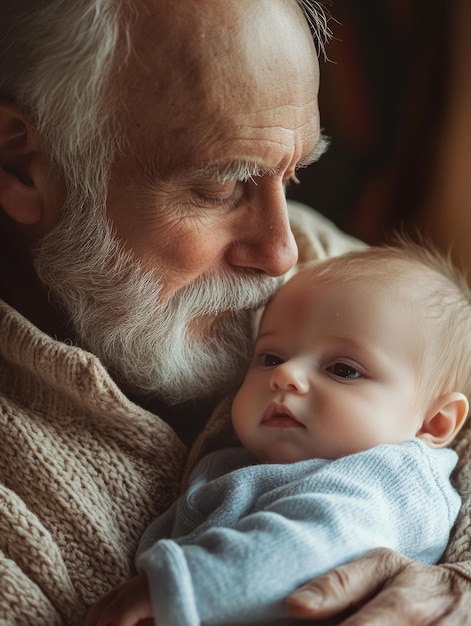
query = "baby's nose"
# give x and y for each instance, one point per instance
(289, 376)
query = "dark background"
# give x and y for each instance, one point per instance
(383, 102)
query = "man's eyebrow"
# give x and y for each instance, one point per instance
(245, 170)
(234, 170)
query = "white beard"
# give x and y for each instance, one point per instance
(115, 309)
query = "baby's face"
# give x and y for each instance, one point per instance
(334, 372)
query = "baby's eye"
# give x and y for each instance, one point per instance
(342, 370)
(270, 360)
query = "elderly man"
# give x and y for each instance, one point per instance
(145, 148)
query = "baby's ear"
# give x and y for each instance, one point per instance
(445, 418)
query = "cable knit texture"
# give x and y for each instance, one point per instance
(83, 470)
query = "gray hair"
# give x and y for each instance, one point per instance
(56, 63)
(318, 18)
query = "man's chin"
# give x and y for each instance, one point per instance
(205, 325)
(201, 327)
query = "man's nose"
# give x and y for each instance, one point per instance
(289, 376)
(264, 240)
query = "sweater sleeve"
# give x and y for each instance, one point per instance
(392, 497)
(21, 600)
(32, 571)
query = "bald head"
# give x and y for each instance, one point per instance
(202, 63)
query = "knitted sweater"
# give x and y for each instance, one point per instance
(83, 470)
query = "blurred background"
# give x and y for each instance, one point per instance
(395, 99)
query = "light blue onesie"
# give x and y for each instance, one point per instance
(245, 534)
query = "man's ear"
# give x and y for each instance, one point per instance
(444, 420)
(20, 197)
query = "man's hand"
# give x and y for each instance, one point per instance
(384, 588)
(127, 605)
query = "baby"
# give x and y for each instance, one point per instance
(360, 379)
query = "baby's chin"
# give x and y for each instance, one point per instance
(282, 455)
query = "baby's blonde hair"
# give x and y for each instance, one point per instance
(426, 280)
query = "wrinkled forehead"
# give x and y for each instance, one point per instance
(223, 56)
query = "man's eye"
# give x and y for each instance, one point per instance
(230, 201)
(342, 370)
(270, 360)
(226, 195)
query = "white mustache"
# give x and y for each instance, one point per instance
(221, 292)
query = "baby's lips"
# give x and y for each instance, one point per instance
(279, 415)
